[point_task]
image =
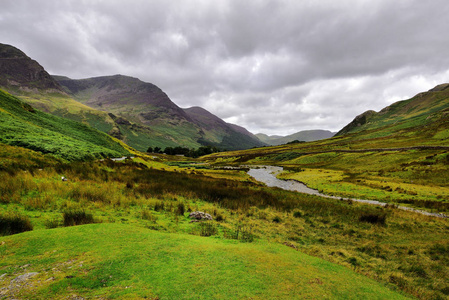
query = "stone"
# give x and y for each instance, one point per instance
(24, 277)
(199, 215)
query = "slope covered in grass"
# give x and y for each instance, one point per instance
(118, 261)
(22, 125)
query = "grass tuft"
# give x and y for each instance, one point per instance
(77, 217)
(13, 223)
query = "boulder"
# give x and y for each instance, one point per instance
(199, 215)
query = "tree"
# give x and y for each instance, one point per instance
(150, 150)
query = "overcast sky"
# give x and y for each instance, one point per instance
(275, 67)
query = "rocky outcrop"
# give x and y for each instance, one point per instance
(357, 122)
(200, 216)
(18, 71)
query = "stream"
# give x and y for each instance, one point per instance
(267, 175)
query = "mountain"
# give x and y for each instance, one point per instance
(27, 79)
(136, 112)
(145, 104)
(21, 73)
(22, 125)
(213, 128)
(423, 118)
(306, 136)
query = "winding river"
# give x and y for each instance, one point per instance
(267, 175)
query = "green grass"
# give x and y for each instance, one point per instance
(22, 125)
(390, 246)
(122, 261)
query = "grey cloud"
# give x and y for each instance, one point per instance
(276, 66)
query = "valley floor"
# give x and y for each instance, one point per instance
(143, 239)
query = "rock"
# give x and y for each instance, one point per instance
(63, 178)
(24, 277)
(199, 215)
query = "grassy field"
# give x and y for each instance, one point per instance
(123, 261)
(143, 242)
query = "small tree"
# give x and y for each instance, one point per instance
(150, 150)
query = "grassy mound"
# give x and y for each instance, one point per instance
(121, 261)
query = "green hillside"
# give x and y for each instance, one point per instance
(122, 261)
(423, 119)
(22, 125)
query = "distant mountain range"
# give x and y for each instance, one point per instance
(136, 112)
(302, 136)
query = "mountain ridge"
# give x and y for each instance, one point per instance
(136, 112)
(304, 136)
(146, 104)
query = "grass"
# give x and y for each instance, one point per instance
(21, 125)
(387, 245)
(13, 223)
(122, 261)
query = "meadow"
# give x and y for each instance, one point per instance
(140, 239)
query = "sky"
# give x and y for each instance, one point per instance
(276, 67)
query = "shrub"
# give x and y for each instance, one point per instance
(242, 233)
(159, 206)
(373, 218)
(77, 217)
(13, 223)
(147, 215)
(297, 214)
(51, 223)
(207, 229)
(277, 219)
(181, 209)
(219, 217)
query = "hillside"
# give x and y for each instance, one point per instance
(426, 115)
(304, 136)
(219, 133)
(22, 125)
(144, 104)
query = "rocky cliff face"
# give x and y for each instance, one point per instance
(21, 73)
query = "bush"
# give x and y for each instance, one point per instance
(147, 215)
(159, 206)
(297, 214)
(208, 229)
(51, 223)
(77, 217)
(181, 209)
(373, 218)
(277, 219)
(13, 223)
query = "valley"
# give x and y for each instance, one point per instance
(86, 212)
